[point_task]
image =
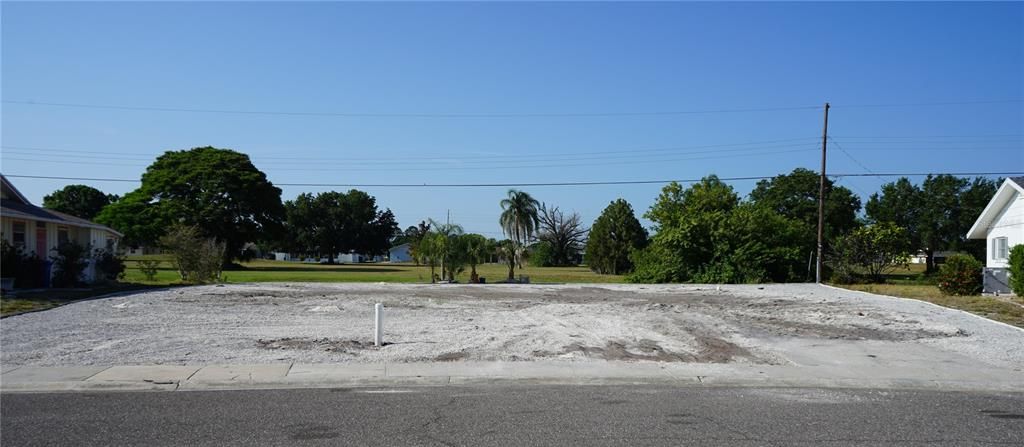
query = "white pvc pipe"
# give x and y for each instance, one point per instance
(378, 324)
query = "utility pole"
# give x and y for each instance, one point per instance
(821, 200)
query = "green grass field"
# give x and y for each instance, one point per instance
(282, 271)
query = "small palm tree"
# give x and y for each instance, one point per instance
(478, 250)
(519, 221)
(507, 250)
(448, 249)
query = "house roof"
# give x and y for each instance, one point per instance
(399, 245)
(1010, 188)
(18, 207)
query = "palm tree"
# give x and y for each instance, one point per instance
(519, 221)
(507, 251)
(478, 249)
(447, 247)
(429, 251)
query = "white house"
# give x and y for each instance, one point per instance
(400, 253)
(37, 231)
(1001, 224)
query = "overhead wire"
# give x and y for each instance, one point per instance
(528, 184)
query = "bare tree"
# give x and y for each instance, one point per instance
(565, 233)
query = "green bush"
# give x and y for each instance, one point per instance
(68, 265)
(876, 250)
(10, 259)
(542, 255)
(109, 266)
(198, 259)
(657, 264)
(1017, 269)
(149, 268)
(960, 275)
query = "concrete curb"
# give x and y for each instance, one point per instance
(925, 302)
(291, 376)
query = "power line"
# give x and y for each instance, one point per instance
(489, 159)
(526, 184)
(404, 115)
(851, 157)
(847, 137)
(922, 104)
(496, 165)
(485, 115)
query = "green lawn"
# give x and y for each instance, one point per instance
(282, 271)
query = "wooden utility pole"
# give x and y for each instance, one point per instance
(821, 200)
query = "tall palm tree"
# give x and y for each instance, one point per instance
(519, 221)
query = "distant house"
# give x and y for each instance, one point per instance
(350, 258)
(1001, 224)
(141, 250)
(37, 231)
(400, 253)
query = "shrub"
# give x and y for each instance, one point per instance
(10, 259)
(542, 254)
(876, 250)
(656, 264)
(149, 268)
(70, 262)
(109, 266)
(1017, 269)
(31, 273)
(960, 275)
(198, 259)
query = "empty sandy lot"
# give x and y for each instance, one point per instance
(272, 323)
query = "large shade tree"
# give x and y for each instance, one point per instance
(704, 233)
(333, 222)
(519, 221)
(795, 196)
(79, 201)
(219, 191)
(937, 214)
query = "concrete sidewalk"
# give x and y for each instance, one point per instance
(225, 377)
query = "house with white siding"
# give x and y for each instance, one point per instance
(37, 231)
(400, 253)
(1001, 225)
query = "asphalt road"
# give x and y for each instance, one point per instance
(515, 415)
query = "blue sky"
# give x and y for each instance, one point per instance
(487, 59)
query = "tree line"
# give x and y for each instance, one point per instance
(705, 232)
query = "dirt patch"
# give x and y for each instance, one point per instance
(710, 350)
(451, 356)
(322, 344)
(323, 323)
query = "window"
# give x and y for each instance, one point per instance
(63, 235)
(18, 234)
(1000, 248)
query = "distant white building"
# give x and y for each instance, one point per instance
(1001, 224)
(400, 253)
(350, 258)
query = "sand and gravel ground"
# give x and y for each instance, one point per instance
(333, 323)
